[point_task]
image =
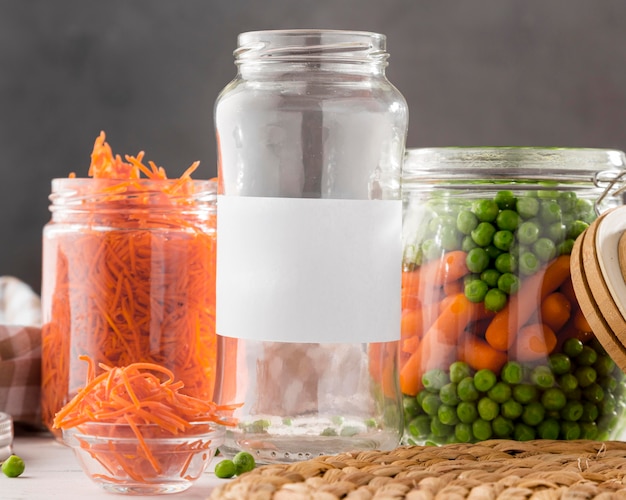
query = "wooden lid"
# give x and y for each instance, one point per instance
(598, 267)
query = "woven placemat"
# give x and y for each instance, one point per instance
(495, 469)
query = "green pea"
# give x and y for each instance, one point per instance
(509, 283)
(493, 251)
(500, 392)
(549, 428)
(481, 429)
(495, 299)
(467, 411)
(550, 211)
(542, 376)
(553, 398)
(528, 263)
(420, 426)
(505, 199)
(523, 432)
(431, 250)
(502, 427)
(568, 382)
(431, 404)
(604, 365)
(410, 405)
(525, 393)
(483, 234)
(467, 390)
(533, 413)
(586, 375)
(506, 263)
(590, 412)
(466, 221)
(467, 243)
(435, 379)
(565, 247)
(448, 394)
(487, 409)
(544, 249)
(439, 429)
(512, 372)
(556, 232)
(588, 356)
(567, 201)
(570, 430)
(589, 430)
(593, 393)
(527, 233)
(484, 379)
(477, 260)
(490, 276)
(486, 210)
(503, 240)
(459, 370)
(13, 466)
(559, 363)
(447, 415)
(244, 462)
(527, 207)
(463, 432)
(608, 404)
(508, 220)
(225, 469)
(572, 411)
(573, 347)
(511, 409)
(576, 228)
(449, 238)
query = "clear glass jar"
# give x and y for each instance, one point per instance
(494, 344)
(311, 138)
(128, 276)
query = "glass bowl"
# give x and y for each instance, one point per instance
(144, 460)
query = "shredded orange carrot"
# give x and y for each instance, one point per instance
(137, 395)
(133, 282)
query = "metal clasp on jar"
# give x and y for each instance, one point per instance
(614, 184)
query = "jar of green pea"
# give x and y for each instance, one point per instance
(493, 342)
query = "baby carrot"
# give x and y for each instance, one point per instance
(479, 354)
(534, 341)
(431, 352)
(501, 331)
(435, 273)
(457, 313)
(555, 310)
(417, 321)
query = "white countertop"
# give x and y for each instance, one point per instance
(53, 472)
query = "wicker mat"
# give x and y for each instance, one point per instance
(495, 469)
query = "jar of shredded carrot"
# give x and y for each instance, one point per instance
(494, 342)
(128, 276)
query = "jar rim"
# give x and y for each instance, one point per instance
(507, 161)
(301, 45)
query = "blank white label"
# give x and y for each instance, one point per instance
(308, 270)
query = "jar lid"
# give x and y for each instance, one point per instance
(598, 268)
(6, 436)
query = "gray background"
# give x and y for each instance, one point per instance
(474, 72)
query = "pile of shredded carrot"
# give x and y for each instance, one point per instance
(141, 290)
(137, 395)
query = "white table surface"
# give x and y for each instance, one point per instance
(53, 472)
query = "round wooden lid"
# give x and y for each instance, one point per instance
(598, 267)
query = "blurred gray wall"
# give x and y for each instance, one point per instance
(474, 72)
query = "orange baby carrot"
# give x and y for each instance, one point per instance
(534, 341)
(555, 310)
(479, 354)
(432, 351)
(501, 331)
(457, 313)
(417, 321)
(435, 273)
